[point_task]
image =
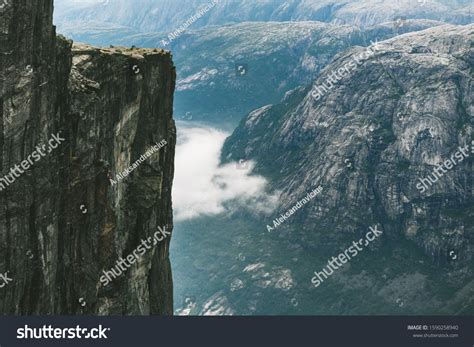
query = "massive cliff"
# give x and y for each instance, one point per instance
(371, 128)
(65, 218)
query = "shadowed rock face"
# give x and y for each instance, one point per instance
(369, 139)
(62, 221)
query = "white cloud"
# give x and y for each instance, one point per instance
(203, 187)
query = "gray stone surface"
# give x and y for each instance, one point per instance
(62, 221)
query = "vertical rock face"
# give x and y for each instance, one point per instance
(72, 214)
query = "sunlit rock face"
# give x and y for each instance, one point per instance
(369, 138)
(62, 222)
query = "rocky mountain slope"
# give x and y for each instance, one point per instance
(62, 222)
(167, 15)
(226, 72)
(368, 140)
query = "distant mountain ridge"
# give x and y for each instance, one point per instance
(167, 15)
(280, 44)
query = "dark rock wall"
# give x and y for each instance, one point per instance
(62, 221)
